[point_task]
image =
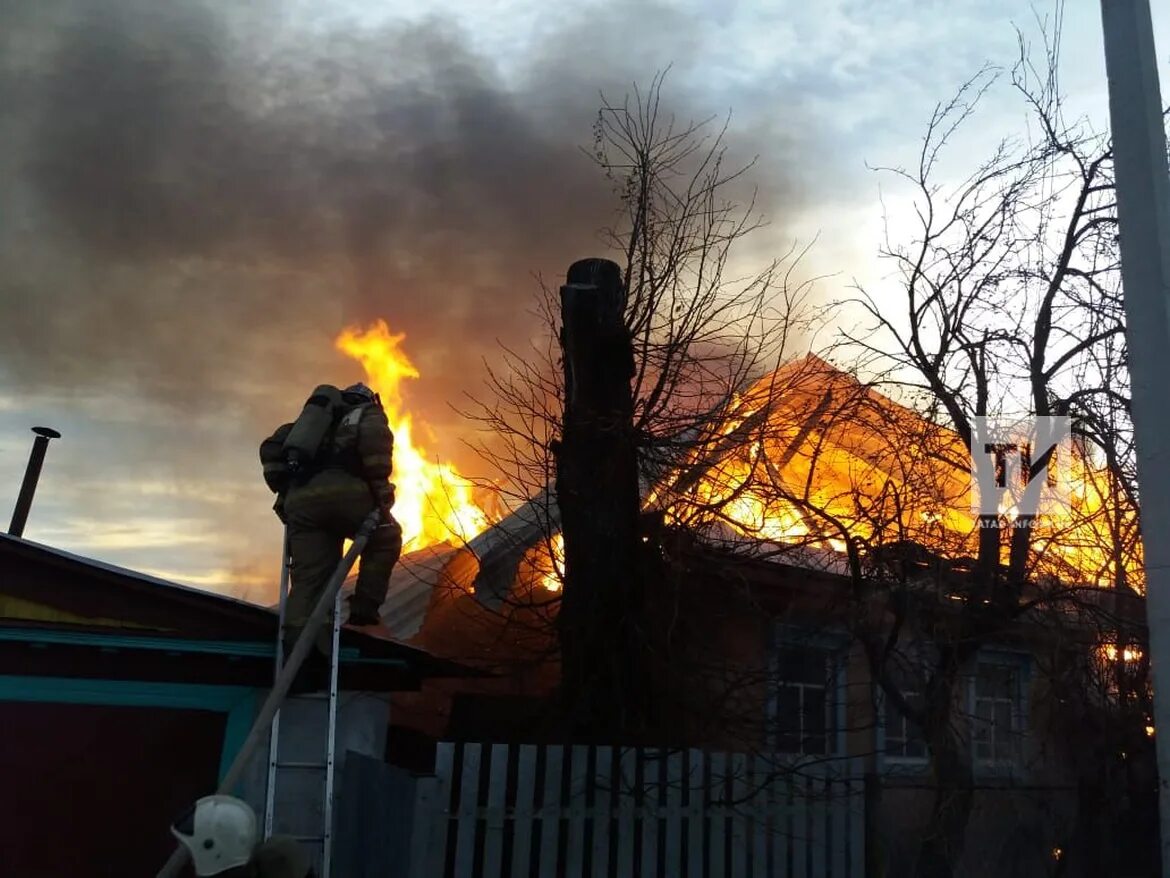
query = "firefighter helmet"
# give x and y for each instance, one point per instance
(220, 833)
(358, 394)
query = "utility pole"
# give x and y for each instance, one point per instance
(1143, 209)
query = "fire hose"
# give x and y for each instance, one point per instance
(280, 688)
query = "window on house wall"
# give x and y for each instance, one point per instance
(997, 712)
(994, 695)
(908, 668)
(804, 699)
(903, 739)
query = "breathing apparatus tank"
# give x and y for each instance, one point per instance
(311, 427)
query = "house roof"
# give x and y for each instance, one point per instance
(54, 596)
(412, 588)
(828, 433)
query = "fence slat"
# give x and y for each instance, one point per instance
(427, 812)
(819, 810)
(856, 815)
(625, 823)
(551, 810)
(675, 778)
(696, 811)
(467, 812)
(801, 819)
(716, 866)
(652, 766)
(602, 810)
(839, 823)
(433, 859)
(781, 797)
(523, 812)
(578, 777)
(493, 839)
(761, 779)
(739, 805)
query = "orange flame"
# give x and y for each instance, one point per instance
(865, 463)
(434, 502)
(552, 564)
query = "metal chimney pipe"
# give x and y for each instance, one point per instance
(32, 474)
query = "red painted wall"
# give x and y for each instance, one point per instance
(91, 790)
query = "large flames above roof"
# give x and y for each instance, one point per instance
(811, 454)
(435, 502)
(806, 456)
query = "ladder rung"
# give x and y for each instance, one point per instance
(309, 839)
(309, 696)
(320, 766)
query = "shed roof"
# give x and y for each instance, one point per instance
(47, 590)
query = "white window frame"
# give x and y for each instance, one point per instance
(1013, 764)
(1020, 665)
(836, 647)
(898, 760)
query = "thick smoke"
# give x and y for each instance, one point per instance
(197, 199)
(194, 199)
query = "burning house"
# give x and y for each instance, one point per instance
(828, 501)
(821, 512)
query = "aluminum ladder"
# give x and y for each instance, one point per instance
(262, 726)
(284, 771)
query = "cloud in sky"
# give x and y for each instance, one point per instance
(199, 195)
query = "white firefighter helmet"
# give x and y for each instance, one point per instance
(220, 833)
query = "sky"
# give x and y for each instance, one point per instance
(198, 196)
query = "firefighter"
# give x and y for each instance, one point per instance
(221, 832)
(330, 469)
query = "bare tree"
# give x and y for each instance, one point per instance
(1010, 302)
(701, 333)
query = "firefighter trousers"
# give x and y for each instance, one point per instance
(321, 515)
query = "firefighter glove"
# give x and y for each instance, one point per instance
(384, 497)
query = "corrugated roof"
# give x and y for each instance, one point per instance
(412, 586)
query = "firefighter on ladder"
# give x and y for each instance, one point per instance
(329, 469)
(220, 832)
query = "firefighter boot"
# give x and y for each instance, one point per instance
(363, 612)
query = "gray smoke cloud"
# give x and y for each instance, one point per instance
(197, 197)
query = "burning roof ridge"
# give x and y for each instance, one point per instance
(817, 365)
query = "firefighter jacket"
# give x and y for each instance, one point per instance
(363, 445)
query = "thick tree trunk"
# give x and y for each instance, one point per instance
(951, 765)
(601, 635)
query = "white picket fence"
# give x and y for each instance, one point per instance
(492, 811)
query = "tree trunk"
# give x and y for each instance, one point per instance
(601, 635)
(951, 764)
